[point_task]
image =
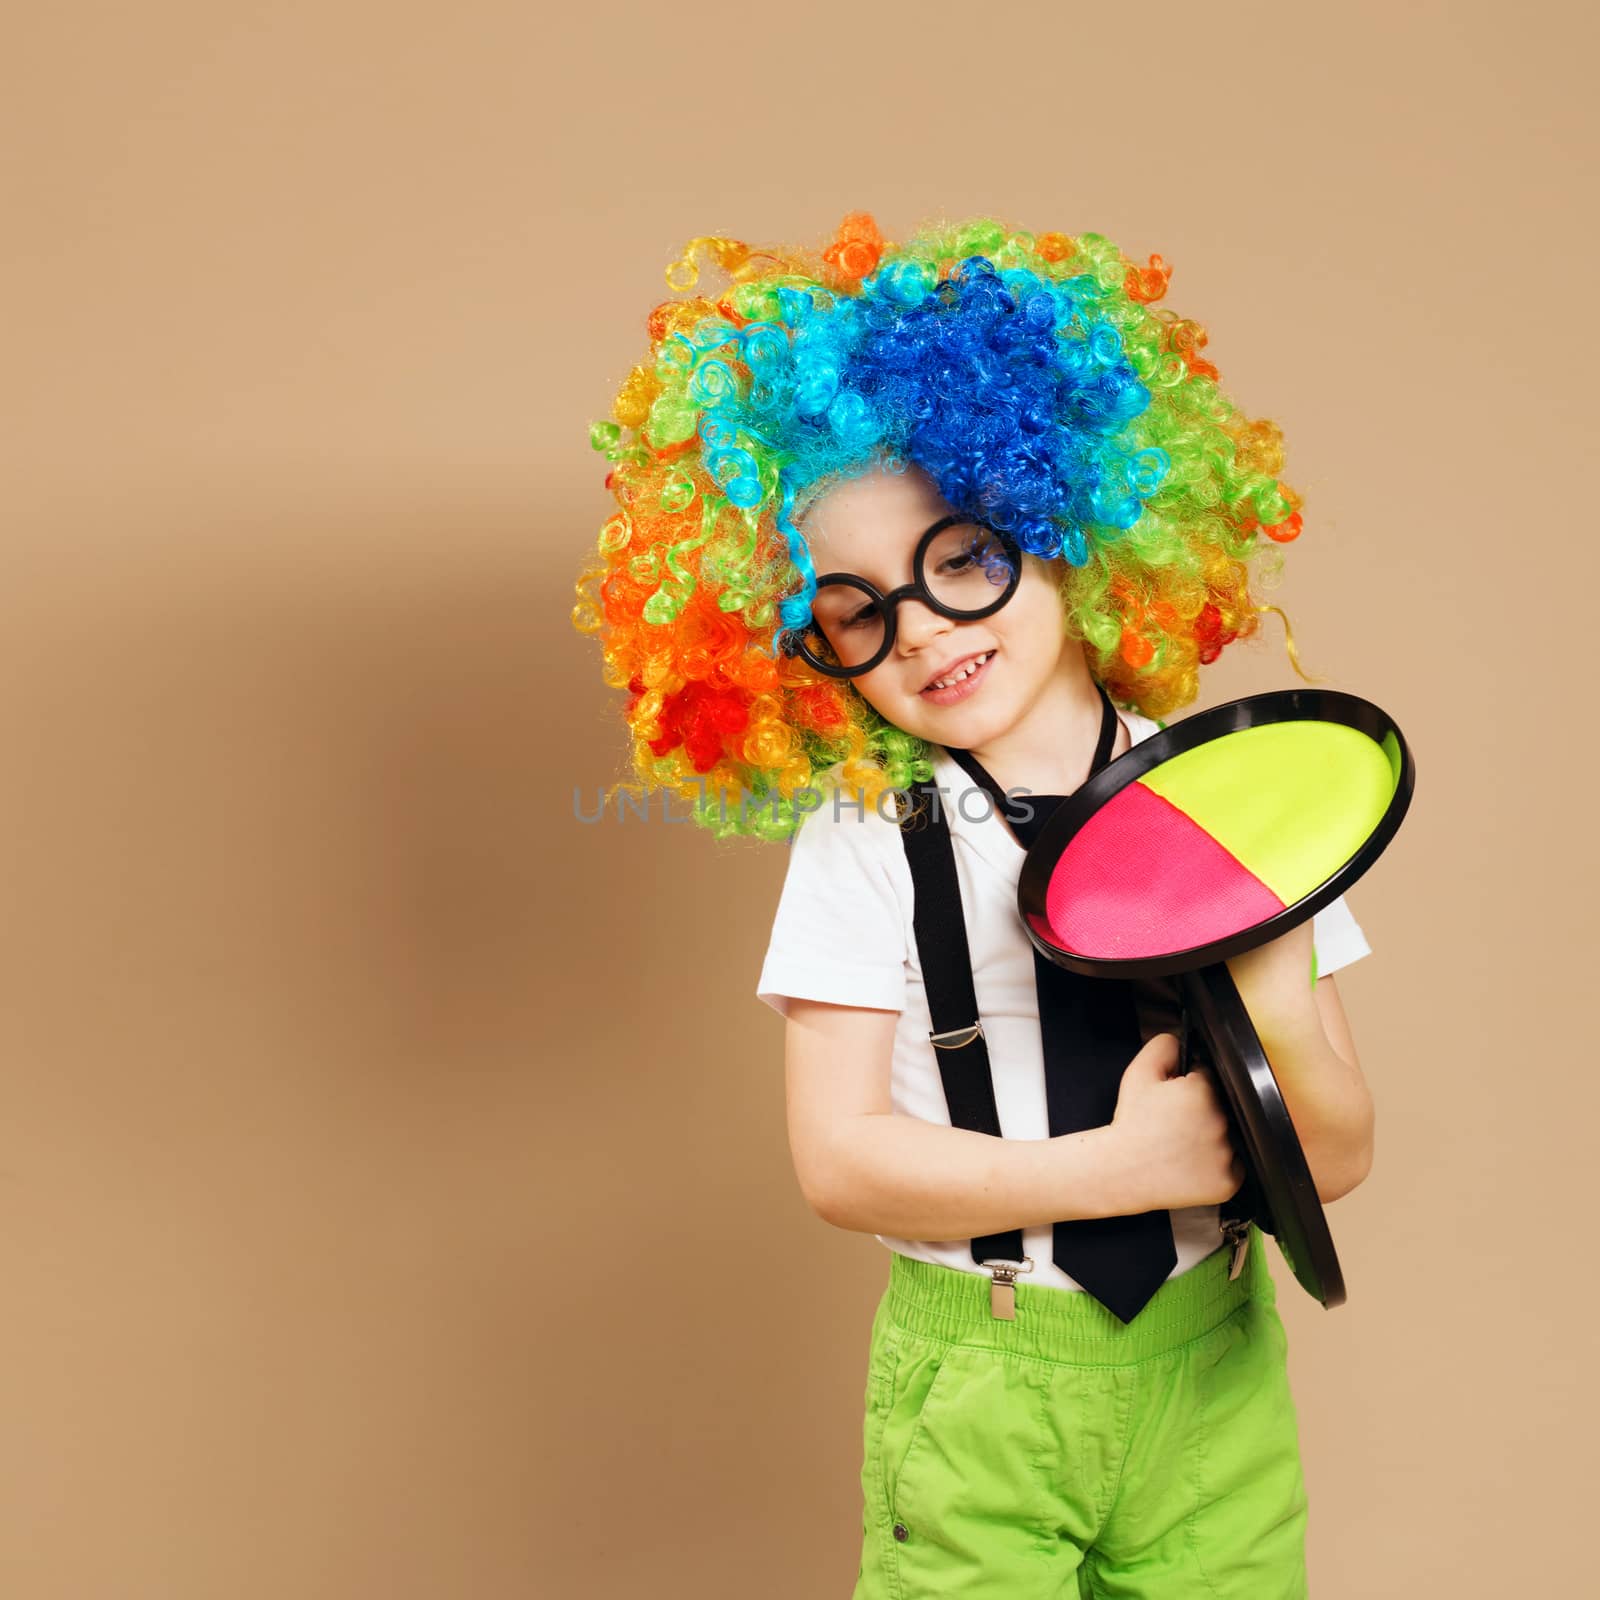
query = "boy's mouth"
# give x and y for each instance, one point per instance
(959, 679)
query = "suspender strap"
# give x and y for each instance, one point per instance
(957, 1033)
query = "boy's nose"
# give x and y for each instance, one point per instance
(917, 624)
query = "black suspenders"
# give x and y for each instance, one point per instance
(941, 933)
(957, 1032)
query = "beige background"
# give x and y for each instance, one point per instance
(394, 1194)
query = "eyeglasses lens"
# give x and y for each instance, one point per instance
(846, 627)
(966, 567)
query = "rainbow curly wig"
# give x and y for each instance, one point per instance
(1036, 381)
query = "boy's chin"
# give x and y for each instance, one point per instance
(955, 727)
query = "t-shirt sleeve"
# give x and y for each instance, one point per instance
(840, 931)
(1337, 937)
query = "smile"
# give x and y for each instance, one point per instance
(960, 683)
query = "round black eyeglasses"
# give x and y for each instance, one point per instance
(959, 565)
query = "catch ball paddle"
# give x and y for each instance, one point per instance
(1205, 840)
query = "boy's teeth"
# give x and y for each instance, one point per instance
(965, 672)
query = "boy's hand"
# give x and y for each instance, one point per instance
(1171, 1133)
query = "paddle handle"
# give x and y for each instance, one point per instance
(1285, 1201)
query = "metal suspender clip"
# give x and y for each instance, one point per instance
(1236, 1230)
(1002, 1287)
(956, 1037)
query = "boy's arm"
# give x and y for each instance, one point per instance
(864, 1168)
(1306, 1037)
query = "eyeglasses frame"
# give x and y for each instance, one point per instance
(888, 605)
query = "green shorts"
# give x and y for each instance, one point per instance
(1158, 1460)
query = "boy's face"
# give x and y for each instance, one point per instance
(870, 526)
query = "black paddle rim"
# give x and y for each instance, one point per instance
(1271, 1147)
(1254, 711)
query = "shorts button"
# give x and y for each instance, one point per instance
(901, 1532)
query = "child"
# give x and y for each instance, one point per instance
(1028, 498)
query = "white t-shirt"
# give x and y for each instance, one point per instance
(843, 933)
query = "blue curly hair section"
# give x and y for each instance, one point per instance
(1008, 388)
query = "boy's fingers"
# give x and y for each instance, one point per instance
(1158, 1058)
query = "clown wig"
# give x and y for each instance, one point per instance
(1037, 382)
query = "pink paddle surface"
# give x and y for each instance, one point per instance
(1142, 879)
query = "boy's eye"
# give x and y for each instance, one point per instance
(859, 619)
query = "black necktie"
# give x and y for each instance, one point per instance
(1089, 1028)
